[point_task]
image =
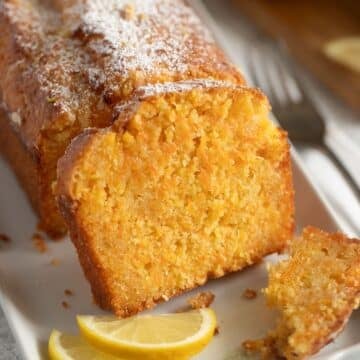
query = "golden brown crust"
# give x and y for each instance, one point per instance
(19, 158)
(68, 64)
(92, 269)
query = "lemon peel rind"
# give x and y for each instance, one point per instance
(133, 350)
(53, 353)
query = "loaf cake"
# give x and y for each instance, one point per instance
(67, 65)
(170, 171)
(192, 181)
(315, 292)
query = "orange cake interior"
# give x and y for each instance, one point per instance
(185, 186)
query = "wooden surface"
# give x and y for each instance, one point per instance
(306, 26)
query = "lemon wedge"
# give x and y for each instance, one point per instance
(150, 337)
(69, 347)
(345, 51)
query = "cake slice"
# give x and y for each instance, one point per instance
(315, 291)
(191, 182)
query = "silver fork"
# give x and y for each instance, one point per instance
(292, 108)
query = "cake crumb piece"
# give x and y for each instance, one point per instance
(217, 330)
(250, 345)
(68, 292)
(39, 243)
(65, 305)
(4, 238)
(264, 347)
(250, 294)
(201, 300)
(55, 262)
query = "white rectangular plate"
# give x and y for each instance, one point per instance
(32, 289)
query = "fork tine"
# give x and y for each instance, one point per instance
(271, 67)
(288, 80)
(259, 73)
(252, 68)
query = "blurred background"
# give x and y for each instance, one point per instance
(305, 55)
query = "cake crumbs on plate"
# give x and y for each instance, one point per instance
(65, 305)
(68, 292)
(264, 347)
(54, 262)
(250, 345)
(39, 243)
(5, 238)
(249, 294)
(217, 330)
(201, 300)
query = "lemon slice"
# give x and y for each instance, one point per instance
(69, 347)
(345, 51)
(170, 336)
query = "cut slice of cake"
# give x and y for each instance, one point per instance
(191, 182)
(315, 291)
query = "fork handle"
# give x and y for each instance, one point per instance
(339, 164)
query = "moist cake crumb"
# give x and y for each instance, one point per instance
(201, 300)
(68, 292)
(39, 243)
(166, 195)
(217, 330)
(249, 294)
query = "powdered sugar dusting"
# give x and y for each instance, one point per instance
(180, 86)
(142, 35)
(169, 87)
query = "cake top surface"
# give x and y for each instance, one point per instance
(78, 52)
(141, 35)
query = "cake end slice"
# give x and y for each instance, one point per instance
(315, 292)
